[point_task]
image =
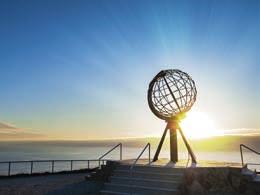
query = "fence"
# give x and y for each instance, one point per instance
(48, 166)
(51, 166)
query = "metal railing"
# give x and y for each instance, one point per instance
(116, 146)
(242, 157)
(52, 162)
(148, 145)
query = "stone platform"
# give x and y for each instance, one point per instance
(165, 178)
(164, 162)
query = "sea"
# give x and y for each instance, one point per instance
(223, 151)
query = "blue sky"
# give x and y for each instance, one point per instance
(80, 69)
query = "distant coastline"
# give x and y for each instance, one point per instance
(217, 143)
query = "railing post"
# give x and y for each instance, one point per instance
(31, 167)
(52, 166)
(149, 153)
(121, 151)
(71, 165)
(241, 153)
(9, 168)
(88, 164)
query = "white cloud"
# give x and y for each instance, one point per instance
(11, 132)
(7, 126)
(242, 131)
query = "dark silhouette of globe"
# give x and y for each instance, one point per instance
(171, 92)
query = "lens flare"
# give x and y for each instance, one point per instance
(199, 125)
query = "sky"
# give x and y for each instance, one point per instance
(81, 69)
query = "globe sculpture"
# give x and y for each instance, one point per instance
(171, 94)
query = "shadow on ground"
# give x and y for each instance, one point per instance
(83, 187)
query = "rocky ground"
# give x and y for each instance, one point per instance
(217, 181)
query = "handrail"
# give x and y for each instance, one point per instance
(148, 145)
(241, 152)
(50, 161)
(120, 145)
(58, 160)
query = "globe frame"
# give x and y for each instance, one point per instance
(180, 88)
(171, 93)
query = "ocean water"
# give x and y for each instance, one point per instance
(73, 150)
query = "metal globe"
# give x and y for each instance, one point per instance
(171, 93)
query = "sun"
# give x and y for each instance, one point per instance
(198, 125)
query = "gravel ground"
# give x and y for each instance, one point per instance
(67, 184)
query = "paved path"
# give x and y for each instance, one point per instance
(67, 184)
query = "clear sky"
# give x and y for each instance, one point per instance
(81, 69)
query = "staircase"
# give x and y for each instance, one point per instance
(145, 180)
(254, 176)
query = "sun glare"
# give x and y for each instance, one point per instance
(198, 125)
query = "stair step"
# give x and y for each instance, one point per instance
(145, 182)
(257, 178)
(246, 171)
(155, 169)
(148, 175)
(110, 192)
(139, 189)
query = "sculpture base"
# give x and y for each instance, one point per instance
(173, 126)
